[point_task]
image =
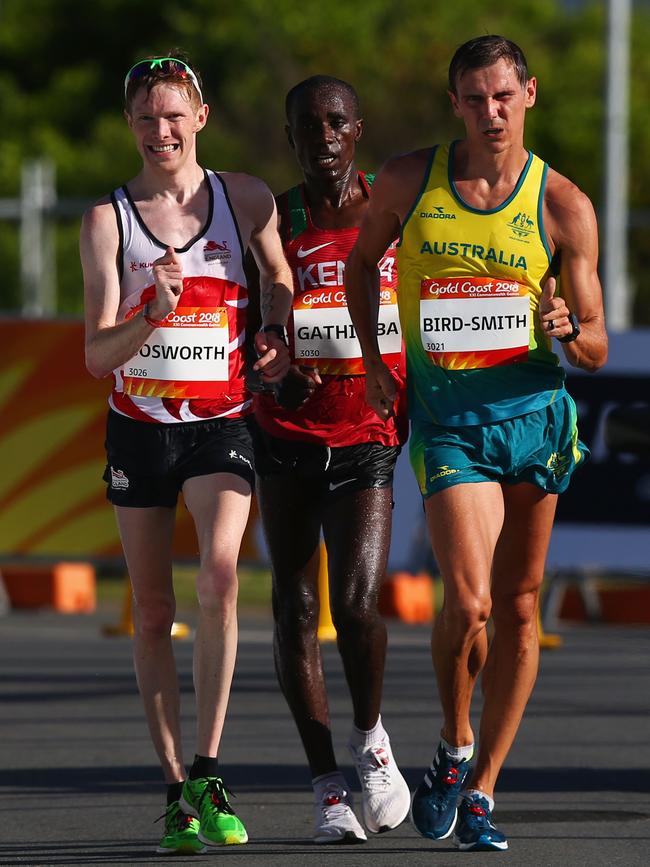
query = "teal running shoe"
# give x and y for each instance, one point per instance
(476, 832)
(433, 809)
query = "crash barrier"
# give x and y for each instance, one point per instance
(52, 425)
(599, 558)
(53, 507)
(626, 432)
(55, 523)
(602, 529)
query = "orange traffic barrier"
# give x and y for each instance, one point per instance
(408, 597)
(66, 587)
(326, 628)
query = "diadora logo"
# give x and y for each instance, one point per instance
(300, 253)
(443, 471)
(119, 479)
(522, 226)
(213, 251)
(438, 213)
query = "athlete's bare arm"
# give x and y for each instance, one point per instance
(393, 194)
(110, 345)
(571, 225)
(257, 218)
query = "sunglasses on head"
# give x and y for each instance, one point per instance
(163, 65)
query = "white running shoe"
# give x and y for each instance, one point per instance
(334, 820)
(386, 795)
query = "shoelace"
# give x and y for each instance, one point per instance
(334, 807)
(174, 815)
(478, 816)
(216, 790)
(451, 778)
(373, 765)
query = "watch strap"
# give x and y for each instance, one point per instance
(155, 323)
(569, 338)
(276, 328)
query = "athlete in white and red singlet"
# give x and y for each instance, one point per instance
(325, 462)
(192, 367)
(165, 298)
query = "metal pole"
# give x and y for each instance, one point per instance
(616, 284)
(37, 262)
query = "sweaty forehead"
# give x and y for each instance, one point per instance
(322, 98)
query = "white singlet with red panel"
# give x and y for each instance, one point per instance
(192, 367)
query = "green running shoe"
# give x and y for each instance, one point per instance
(181, 833)
(206, 799)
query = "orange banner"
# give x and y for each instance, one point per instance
(52, 426)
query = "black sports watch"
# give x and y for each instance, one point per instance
(276, 328)
(569, 338)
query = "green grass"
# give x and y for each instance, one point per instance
(254, 587)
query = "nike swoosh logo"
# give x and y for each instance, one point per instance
(302, 253)
(334, 486)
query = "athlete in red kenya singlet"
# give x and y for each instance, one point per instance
(321, 336)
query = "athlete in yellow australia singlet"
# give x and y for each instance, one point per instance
(488, 232)
(477, 353)
(470, 284)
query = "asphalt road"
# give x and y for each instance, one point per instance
(79, 783)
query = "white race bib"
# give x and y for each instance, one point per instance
(325, 337)
(474, 322)
(186, 357)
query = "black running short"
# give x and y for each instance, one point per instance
(149, 463)
(332, 471)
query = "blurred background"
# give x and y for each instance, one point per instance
(65, 143)
(62, 65)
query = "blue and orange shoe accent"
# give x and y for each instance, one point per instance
(476, 832)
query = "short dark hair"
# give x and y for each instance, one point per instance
(485, 51)
(318, 82)
(157, 76)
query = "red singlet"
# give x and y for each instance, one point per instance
(321, 335)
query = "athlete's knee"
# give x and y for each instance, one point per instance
(153, 615)
(354, 615)
(516, 612)
(466, 617)
(295, 613)
(216, 588)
